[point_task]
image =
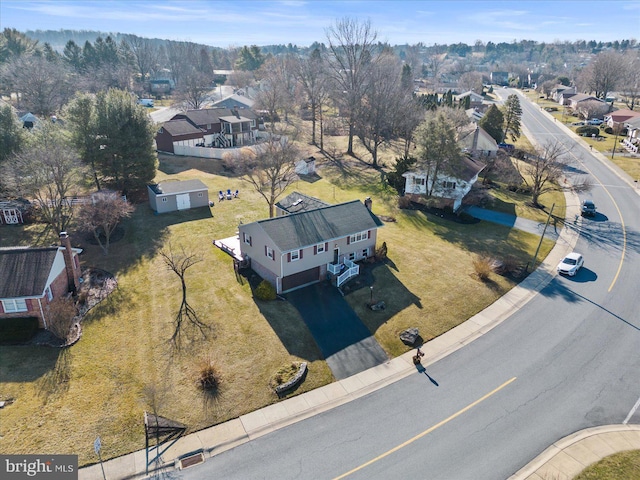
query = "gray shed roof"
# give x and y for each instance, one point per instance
(299, 202)
(184, 186)
(24, 271)
(299, 230)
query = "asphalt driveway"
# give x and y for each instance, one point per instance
(346, 344)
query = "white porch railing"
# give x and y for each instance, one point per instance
(352, 270)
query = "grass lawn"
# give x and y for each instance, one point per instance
(123, 364)
(619, 466)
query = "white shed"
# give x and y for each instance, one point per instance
(306, 166)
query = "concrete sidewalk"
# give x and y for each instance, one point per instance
(217, 439)
(513, 221)
(569, 456)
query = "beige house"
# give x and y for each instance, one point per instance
(298, 249)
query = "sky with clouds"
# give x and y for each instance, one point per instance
(301, 22)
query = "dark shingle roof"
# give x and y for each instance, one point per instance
(180, 127)
(304, 229)
(209, 116)
(299, 202)
(24, 271)
(184, 186)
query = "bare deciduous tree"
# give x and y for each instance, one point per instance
(61, 313)
(592, 109)
(630, 83)
(43, 86)
(192, 93)
(46, 170)
(311, 76)
(145, 55)
(602, 75)
(542, 170)
(381, 104)
(471, 81)
(269, 168)
(102, 216)
(352, 52)
(186, 319)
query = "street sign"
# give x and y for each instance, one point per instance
(97, 445)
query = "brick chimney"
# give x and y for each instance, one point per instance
(73, 270)
(368, 202)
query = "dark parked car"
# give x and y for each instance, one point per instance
(507, 146)
(588, 209)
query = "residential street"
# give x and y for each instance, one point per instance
(565, 361)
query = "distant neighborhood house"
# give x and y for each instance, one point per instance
(195, 131)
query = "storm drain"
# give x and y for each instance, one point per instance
(190, 460)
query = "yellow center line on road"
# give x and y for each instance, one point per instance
(427, 431)
(622, 225)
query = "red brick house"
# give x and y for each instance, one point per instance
(30, 278)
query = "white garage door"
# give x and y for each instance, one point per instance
(183, 201)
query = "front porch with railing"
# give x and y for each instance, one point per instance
(341, 272)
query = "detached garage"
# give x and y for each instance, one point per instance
(171, 196)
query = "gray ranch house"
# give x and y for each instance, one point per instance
(299, 249)
(171, 196)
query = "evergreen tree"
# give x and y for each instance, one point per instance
(512, 112)
(492, 122)
(116, 140)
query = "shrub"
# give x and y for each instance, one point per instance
(404, 202)
(587, 130)
(265, 291)
(60, 314)
(381, 252)
(466, 218)
(284, 374)
(482, 266)
(208, 376)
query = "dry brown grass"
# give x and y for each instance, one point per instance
(123, 365)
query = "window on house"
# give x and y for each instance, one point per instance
(421, 181)
(320, 248)
(200, 194)
(49, 294)
(358, 237)
(246, 238)
(352, 256)
(295, 255)
(365, 252)
(14, 305)
(269, 252)
(451, 185)
(164, 199)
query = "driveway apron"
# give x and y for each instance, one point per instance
(345, 342)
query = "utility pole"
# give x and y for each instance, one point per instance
(542, 237)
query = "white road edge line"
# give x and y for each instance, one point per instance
(633, 410)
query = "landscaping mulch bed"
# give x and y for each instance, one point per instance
(443, 213)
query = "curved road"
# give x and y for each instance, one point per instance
(568, 360)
